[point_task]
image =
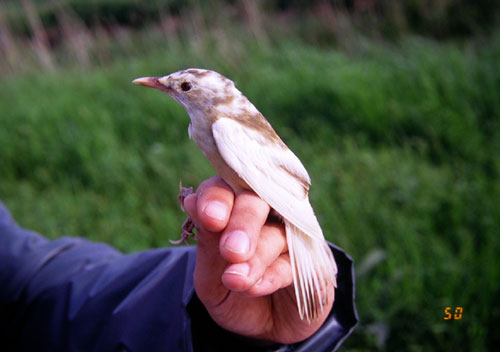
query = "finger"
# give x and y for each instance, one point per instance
(214, 203)
(210, 208)
(277, 276)
(242, 276)
(240, 238)
(209, 268)
(190, 207)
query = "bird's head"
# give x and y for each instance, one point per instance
(197, 90)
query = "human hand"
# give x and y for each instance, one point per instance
(243, 274)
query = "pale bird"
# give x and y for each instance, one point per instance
(249, 155)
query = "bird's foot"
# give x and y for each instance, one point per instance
(183, 193)
(187, 232)
(188, 226)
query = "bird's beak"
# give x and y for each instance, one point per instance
(152, 82)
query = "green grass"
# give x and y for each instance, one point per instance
(402, 144)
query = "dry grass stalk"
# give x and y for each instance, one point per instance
(40, 40)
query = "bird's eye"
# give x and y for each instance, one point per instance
(185, 86)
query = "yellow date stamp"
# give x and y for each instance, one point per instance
(457, 314)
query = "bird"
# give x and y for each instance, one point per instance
(248, 154)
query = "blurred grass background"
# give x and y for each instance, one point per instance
(393, 106)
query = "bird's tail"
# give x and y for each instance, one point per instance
(313, 268)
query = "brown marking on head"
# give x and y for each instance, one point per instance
(228, 86)
(226, 100)
(198, 73)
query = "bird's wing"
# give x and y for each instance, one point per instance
(270, 169)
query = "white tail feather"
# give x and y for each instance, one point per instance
(313, 266)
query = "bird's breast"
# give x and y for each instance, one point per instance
(206, 142)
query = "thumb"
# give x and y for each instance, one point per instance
(210, 208)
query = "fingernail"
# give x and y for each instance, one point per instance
(237, 242)
(238, 269)
(216, 210)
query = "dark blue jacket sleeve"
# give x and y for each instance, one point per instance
(74, 295)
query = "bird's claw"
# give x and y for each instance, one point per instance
(187, 232)
(188, 226)
(183, 193)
